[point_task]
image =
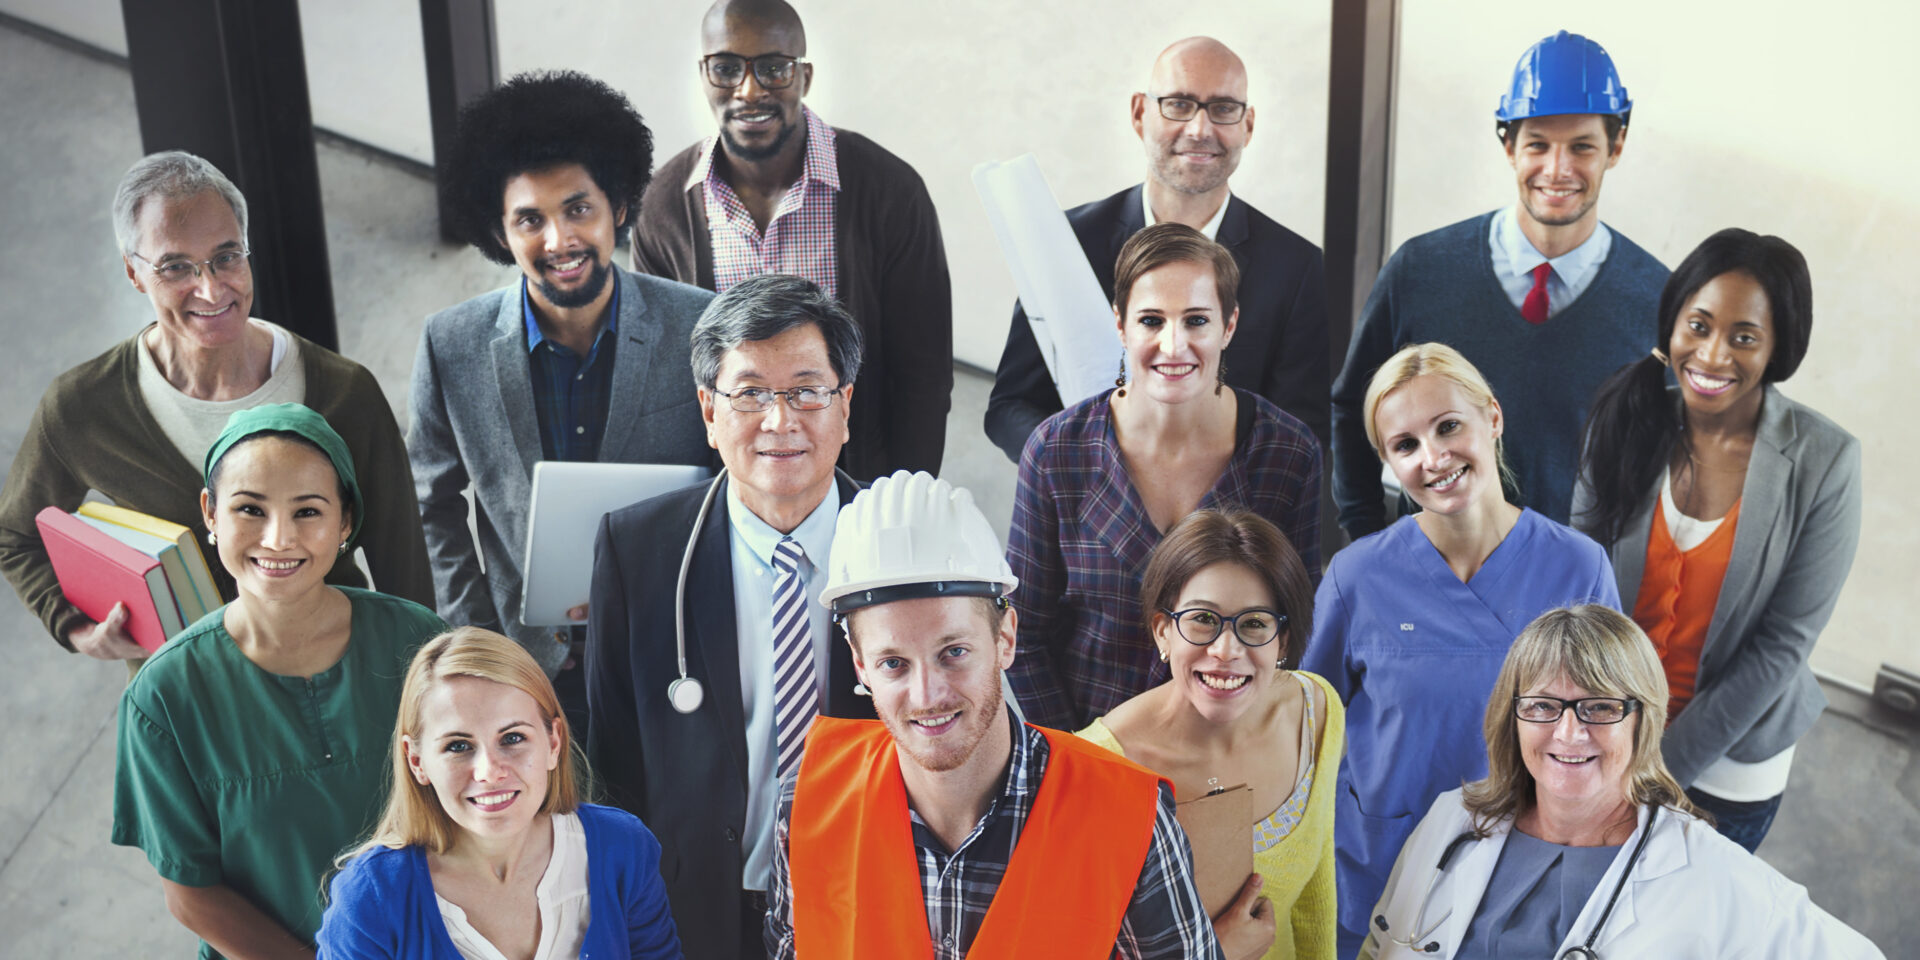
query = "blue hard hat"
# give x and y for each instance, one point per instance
(1564, 73)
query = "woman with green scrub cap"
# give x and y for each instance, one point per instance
(252, 747)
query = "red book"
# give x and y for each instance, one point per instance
(96, 571)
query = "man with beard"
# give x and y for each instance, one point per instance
(946, 828)
(1194, 121)
(1545, 299)
(780, 191)
(577, 360)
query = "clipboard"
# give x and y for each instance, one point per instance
(1219, 828)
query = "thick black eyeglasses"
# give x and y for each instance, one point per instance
(1182, 109)
(760, 399)
(1201, 627)
(774, 71)
(1586, 709)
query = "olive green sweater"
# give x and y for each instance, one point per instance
(92, 431)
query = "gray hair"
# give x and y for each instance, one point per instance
(170, 174)
(765, 307)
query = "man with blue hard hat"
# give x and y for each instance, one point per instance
(1542, 297)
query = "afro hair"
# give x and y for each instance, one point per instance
(534, 121)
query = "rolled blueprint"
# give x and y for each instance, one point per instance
(1071, 319)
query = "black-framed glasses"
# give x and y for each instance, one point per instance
(774, 71)
(226, 263)
(1586, 709)
(760, 399)
(1182, 109)
(1201, 627)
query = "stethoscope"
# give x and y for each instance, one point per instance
(1584, 951)
(686, 693)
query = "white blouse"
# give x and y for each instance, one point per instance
(563, 898)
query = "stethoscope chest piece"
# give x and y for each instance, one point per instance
(1579, 953)
(686, 694)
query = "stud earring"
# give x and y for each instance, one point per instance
(1164, 656)
(212, 541)
(343, 546)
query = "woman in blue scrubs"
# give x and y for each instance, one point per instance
(1412, 623)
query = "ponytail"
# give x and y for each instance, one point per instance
(1630, 432)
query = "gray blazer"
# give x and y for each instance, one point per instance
(474, 425)
(1799, 523)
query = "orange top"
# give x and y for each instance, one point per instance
(1678, 592)
(856, 878)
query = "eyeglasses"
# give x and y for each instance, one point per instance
(226, 263)
(1183, 109)
(760, 399)
(726, 70)
(1587, 709)
(1201, 627)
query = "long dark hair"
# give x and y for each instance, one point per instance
(1633, 425)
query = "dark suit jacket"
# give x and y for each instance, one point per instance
(684, 775)
(1278, 352)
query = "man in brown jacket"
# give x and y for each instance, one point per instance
(780, 191)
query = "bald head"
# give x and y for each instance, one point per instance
(773, 19)
(1199, 65)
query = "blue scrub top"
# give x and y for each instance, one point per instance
(1413, 653)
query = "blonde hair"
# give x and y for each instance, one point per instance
(1596, 648)
(413, 815)
(1440, 360)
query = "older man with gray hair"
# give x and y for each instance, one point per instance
(135, 422)
(708, 653)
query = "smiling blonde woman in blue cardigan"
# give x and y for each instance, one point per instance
(483, 852)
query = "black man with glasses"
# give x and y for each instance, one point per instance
(778, 190)
(1193, 120)
(716, 589)
(135, 422)
(575, 359)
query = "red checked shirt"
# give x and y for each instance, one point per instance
(799, 237)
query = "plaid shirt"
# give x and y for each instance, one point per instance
(570, 394)
(1081, 538)
(1165, 918)
(799, 237)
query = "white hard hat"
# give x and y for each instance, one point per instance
(910, 535)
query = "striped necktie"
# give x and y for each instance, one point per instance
(795, 691)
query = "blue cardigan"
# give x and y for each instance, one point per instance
(382, 904)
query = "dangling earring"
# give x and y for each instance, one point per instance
(1661, 356)
(212, 541)
(343, 546)
(1121, 380)
(1220, 375)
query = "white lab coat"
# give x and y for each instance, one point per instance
(1693, 894)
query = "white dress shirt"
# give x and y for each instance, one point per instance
(1514, 258)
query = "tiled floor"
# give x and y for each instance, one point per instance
(1850, 829)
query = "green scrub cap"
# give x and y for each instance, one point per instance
(296, 419)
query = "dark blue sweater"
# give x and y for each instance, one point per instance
(1440, 287)
(382, 904)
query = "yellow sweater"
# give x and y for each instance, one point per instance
(1299, 869)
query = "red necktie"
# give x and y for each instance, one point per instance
(1534, 308)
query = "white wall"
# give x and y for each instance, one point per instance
(1785, 118)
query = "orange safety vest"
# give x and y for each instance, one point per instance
(855, 877)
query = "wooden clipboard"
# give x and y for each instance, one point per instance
(1219, 828)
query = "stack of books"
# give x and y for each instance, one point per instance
(105, 555)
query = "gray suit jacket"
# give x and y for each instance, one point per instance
(1799, 523)
(474, 425)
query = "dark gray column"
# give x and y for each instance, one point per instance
(463, 61)
(227, 80)
(1360, 98)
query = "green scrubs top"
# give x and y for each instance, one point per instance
(228, 774)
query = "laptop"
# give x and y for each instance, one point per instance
(568, 501)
